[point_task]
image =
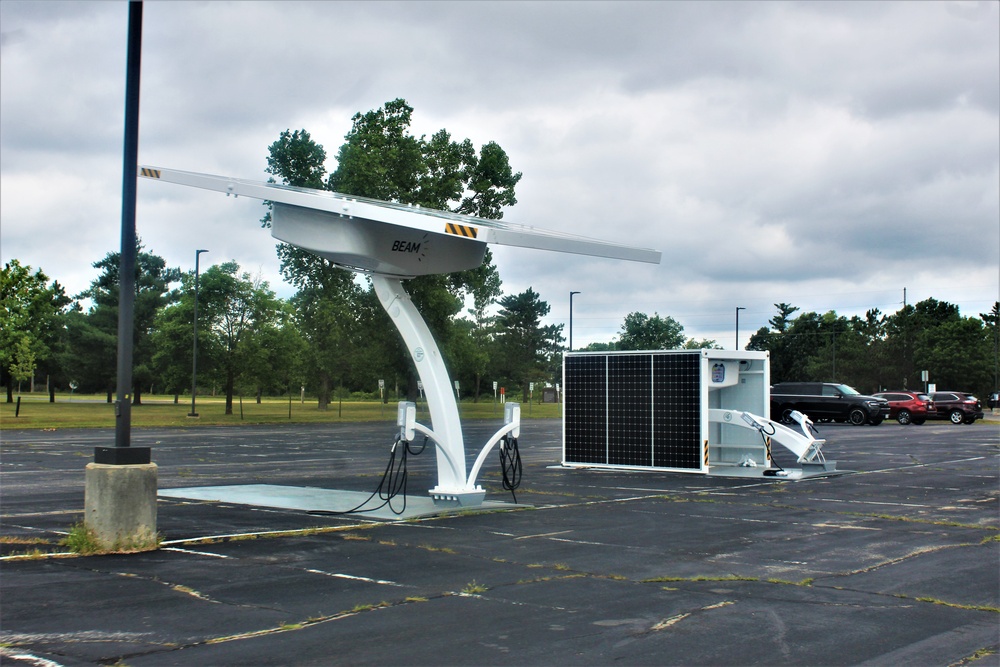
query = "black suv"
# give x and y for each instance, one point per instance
(826, 400)
(957, 406)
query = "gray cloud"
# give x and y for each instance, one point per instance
(822, 154)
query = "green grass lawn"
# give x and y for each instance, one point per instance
(83, 411)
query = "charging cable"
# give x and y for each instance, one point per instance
(510, 464)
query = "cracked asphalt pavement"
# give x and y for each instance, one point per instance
(897, 563)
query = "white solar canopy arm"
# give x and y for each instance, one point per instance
(412, 217)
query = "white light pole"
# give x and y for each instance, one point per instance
(194, 354)
(571, 320)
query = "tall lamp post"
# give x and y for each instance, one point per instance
(194, 355)
(738, 309)
(571, 320)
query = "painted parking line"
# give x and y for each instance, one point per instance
(354, 577)
(529, 537)
(195, 553)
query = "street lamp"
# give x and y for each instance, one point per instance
(738, 309)
(194, 355)
(571, 320)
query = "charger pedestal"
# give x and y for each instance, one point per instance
(455, 488)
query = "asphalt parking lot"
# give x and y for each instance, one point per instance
(897, 563)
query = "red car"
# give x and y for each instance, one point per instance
(908, 407)
(957, 407)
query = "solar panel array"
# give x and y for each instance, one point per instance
(635, 410)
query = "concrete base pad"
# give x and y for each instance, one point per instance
(120, 505)
(313, 499)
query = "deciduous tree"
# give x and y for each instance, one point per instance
(240, 311)
(30, 321)
(641, 332)
(327, 303)
(381, 159)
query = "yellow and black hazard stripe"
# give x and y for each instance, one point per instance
(150, 173)
(461, 230)
(706, 453)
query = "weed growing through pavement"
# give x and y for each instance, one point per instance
(9, 539)
(81, 539)
(473, 588)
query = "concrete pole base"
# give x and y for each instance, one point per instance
(120, 506)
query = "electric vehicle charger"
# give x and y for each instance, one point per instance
(780, 472)
(394, 477)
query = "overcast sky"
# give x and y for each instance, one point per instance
(826, 155)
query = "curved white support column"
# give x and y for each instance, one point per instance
(512, 425)
(447, 433)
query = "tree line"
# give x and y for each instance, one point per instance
(884, 352)
(250, 342)
(333, 336)
(877, 352)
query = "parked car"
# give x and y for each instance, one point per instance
(826, 400)
(957, 407)
(908, 407)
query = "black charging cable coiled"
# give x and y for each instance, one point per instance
(393, 481)
(510, 464)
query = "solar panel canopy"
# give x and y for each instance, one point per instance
(389, 238)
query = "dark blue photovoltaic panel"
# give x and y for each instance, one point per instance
(585, 394)
(677, 410)
(637, 410)
(630, 415)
